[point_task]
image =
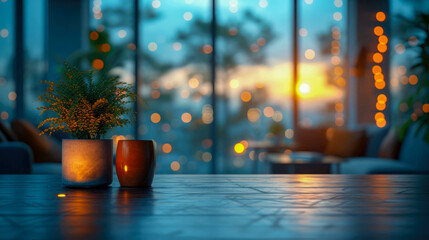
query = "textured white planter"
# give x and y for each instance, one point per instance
(87, 163)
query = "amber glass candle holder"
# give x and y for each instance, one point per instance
(135, 163)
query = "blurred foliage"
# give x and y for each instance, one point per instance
(420, 92)
(100, 47)
(234, 41)
(277, 128)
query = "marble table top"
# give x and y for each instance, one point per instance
(219, 207)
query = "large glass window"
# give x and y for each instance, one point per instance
(254, 81)
(175, 83)
(322, 74)
(165, 49)
(7, 43)
(35, 65)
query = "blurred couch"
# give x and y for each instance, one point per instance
(24, 151)
(368, 150)
(413, 155)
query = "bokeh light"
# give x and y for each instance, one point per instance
(105, 47)
(193, 82)
(413, 80)
(12, 96)
(152, 46)
(304, 88)
(239, 148)
(253, 114)
(378, 31)
(383, 39)
(93, 35)
(377, 57)
(268, 112)
(207, 49)
(156, 4)
(166, 148)
(187, 16)
(400, 48)
(155, 117)
(98, 64)
(425, 107)
(4, 115)
(246, 96)
(310, 54)
(234, 83)
(122, 33)
(186, 117)
(380, 16)
(175, 166)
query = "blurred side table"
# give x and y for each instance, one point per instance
(304, 163)
(265, 147)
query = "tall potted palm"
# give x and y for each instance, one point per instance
(418, 100)
(86, 104)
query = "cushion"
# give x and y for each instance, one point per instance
(2, 137)
(16, 158)
(369, 165)
(10, 136)
(390, 146)
(414, 150)
(44, 148)
(311, 139)
(346, 143)
(375, 136)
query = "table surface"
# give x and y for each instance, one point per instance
(219, 207)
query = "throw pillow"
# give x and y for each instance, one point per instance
(44, 149)
(7, 133)
(390, 146)
(347, 143)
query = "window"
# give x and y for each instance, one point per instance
(166, 48)
(8, 94)
(254, 81)
(35, 62)
(322, 74)
(175, 83)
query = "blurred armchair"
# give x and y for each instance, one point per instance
(15, 158)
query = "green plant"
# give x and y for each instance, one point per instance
(277, 128)
(418, 101)
(86, 104)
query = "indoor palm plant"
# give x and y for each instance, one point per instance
(86, 104)
(418, 100)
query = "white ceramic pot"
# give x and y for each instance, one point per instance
(87, 163)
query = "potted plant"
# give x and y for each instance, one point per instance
(277, 130)
(418, 100)
(86, 104)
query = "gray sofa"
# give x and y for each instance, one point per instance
(17, 158)
(413, 157)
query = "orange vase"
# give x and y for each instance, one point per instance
(135, 163)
